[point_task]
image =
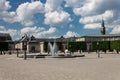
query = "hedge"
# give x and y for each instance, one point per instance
(74, 46)
(115, 45)
(103, 45)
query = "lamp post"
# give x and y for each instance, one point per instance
(98, 49)
(17, 52)
(25, 48)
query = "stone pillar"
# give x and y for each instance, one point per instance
(41, 47)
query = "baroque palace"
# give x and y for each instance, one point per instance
(39, 45)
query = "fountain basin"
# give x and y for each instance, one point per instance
(55, 56)
(61, 56)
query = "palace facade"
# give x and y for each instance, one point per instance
(6, 42)
(39, 45)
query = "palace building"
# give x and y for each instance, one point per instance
(6, 42)
(40, 44)
(37, 45)
(102, 37)
(5, 37)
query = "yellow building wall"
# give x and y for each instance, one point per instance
(41, 47)
(18, 46)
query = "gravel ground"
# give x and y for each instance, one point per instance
(82, 68)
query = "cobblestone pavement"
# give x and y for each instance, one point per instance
(83, 68)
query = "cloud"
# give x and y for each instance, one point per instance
(4, 7)
(95, 7)
(30, 30)
(47, 33)
(116, 30)
(52, 10)
(12, 32)
(71, 34)
(57, 18)
(74, 3)
(53, 5)
(91, 12)
(54, 13)
(94, 22)
(38, 31)
(25, 12)
(92, 26)
(108, 15)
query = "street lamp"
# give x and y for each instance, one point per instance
(17, 52)
(98, 49)
(25, 48)
(24, 41)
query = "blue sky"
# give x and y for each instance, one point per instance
(55, 18)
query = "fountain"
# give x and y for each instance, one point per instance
(53, 53)
(53, 49)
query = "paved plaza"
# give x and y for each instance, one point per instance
(81, 68)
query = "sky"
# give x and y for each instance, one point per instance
(56, 18)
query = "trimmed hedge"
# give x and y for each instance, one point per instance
(103, 45)
(71, 46)
(74, 46)
(115, 45)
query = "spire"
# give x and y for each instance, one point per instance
(102, 24)
(103, 28)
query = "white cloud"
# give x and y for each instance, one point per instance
(4, 7)
(30, 30)
(116, 30)
(38, 31)
(94, 7)
(108, 15)
(54, 13)
(57, 18)
(12, 32)
(25, 12)
(74, 3)
(52, 9)
(47, 33)
(53, 5)
(71, 34)
(92, 26)
(92, 12)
